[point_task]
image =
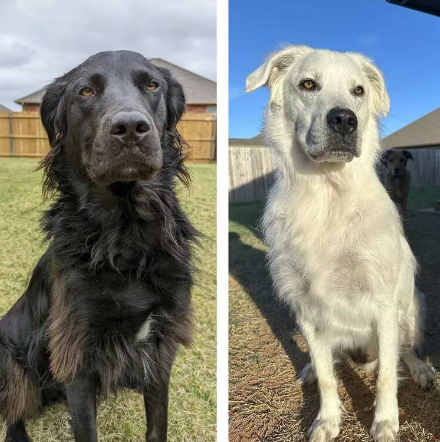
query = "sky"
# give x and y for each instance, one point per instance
(43, 39)
(405, 44)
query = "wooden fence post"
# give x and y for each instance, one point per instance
(11, 136)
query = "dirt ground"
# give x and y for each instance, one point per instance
(266, 354)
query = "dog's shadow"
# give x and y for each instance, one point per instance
(258, 286)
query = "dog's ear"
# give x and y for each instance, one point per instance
(408, 155)
(275, 66)
(175, 99)
(175, 108)
(384, 158)
(53, 111)
(53, 116)
(380, 98)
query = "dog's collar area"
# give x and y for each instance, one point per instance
(121, 188)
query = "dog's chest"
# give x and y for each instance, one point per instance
(335, 250)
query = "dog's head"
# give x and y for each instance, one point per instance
(110, 118)
(395, 161)
(321, 100)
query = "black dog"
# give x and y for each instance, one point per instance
(109, 302)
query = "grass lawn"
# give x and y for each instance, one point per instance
(266, 352)
(192, 398)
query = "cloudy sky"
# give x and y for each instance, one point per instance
(43, 39)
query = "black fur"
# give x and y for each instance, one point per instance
(119, 253)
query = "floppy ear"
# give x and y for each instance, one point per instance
(175, 99)
(53, 116)
(381, 100)
(384, 158)
(408, 155)
(275, 66)
(53, 111)
(175, 108)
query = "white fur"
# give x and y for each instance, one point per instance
(338, 255)
(144, 330)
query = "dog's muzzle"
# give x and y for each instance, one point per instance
(128, 149)
(341, 145)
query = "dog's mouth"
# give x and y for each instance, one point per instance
(127, 173)
(341, 155)
(398, 175)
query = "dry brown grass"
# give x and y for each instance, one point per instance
(267, 354)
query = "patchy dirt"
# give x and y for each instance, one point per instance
(266, 353)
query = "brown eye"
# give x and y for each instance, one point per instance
(308, 85)
(152, 86)
(359, 90)
(87, 92)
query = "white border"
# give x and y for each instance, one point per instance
(222, 220)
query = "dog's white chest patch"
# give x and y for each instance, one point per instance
(144, 330)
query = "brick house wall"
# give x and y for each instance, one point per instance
(200, 108)
(31, 107)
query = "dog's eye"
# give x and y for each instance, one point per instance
(308, 85)
(87, 91)
(359, 90)
(152, 86)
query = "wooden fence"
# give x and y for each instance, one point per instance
(251, 171)
(22, 134)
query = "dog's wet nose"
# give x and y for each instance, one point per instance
(343, 121)
(129, 126)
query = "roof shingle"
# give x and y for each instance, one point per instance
(4, 109)
(423, 132)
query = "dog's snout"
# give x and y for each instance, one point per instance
(129, 126)
(342, 121)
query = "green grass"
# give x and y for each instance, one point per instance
(192, 396)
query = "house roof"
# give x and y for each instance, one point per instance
(4, 109)
(198, 89)
(258, 140)
(34, 98)
(423, 132)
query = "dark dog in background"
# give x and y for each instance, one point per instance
(397, 177)
(109, 301)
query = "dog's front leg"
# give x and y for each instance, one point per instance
(81, 399)
(156, 408)
(326, 425)
(386, 417)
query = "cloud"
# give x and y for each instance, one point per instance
(42, 40)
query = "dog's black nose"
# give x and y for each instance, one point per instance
(129, 126)
(343, 121)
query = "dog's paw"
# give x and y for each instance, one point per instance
(323, 430)
(424, 375)
(384, 431)
(308, 376)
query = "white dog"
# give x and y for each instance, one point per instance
(338, 256)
